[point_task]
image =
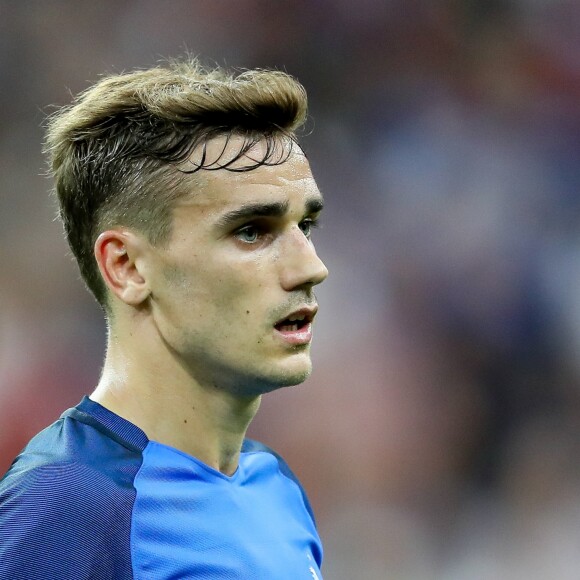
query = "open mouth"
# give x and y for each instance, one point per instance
(294, 323)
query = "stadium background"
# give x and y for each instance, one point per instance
(440, 433)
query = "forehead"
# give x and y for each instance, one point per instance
(221, 189)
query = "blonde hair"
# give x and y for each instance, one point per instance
(117, 152)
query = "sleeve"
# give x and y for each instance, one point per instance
(63, 522)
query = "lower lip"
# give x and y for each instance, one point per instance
(297, 337)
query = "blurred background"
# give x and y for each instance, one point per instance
(439, 436)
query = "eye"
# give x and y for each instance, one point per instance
(307, 225)
(249, 234)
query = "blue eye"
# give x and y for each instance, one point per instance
(248, 234)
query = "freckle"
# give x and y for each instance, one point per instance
(185, 420)
(247, 312)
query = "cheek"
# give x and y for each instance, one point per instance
(233, 298)
(228, 293)
(241, 304)
(177, 279)
(220, 295)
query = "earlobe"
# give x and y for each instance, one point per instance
(116, 252)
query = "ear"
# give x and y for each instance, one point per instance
(117, 253)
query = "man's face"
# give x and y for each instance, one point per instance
(232, 290)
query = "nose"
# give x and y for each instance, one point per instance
(300, 265)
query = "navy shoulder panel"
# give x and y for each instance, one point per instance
(252, 446)
(66, 505)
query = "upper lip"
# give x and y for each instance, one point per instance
(305, 313)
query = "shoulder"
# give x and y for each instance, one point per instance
(252, 446)
(66, 503)
(70, 457)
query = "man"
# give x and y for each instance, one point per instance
(189, 207)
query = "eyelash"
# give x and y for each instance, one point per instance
(312, 223)
(306, 225)
(249, 228)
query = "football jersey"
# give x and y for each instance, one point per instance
(91, 497)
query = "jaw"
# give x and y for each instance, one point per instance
(292, 369)
(254, 373)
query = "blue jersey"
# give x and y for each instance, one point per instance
(92, 497)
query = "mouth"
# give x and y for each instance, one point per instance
(297, 327)
(296, 321)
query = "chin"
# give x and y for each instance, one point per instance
(287, 376)
(292, 375)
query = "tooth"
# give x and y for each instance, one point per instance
(297, 317)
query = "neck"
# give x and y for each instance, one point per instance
(160, 397)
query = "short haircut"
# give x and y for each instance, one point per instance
(118, 153)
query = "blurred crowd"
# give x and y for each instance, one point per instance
(439, 435)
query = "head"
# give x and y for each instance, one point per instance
(183, 166)
(119, 153)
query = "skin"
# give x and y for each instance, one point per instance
(193, 341)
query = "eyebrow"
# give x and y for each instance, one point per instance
(274, 209)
